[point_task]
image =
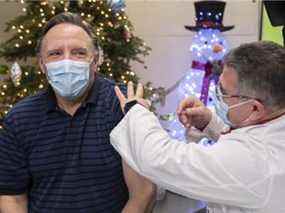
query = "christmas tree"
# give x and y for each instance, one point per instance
(112, 29)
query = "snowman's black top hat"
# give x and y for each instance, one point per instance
(209, 14)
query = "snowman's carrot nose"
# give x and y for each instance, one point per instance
(217, 48)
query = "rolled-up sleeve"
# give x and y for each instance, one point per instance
(14, 178)
(216, 174)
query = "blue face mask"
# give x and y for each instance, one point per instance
(68, 78)
(222, 109)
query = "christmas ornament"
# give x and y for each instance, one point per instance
(16, 73)
(127, 33)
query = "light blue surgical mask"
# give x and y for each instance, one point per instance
(68, 78)
(222, 109)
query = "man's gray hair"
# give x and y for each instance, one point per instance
(261, 71)
(71, 18)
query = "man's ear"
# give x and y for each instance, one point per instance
(258, 110)
(94, 63)
(41, 64)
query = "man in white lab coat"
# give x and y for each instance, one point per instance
(245, 170)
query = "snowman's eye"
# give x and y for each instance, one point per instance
(206, 42)
(221, 42)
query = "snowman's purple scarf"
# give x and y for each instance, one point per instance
(209, 75)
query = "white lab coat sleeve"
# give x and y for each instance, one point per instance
(212, 131)
(226, 172)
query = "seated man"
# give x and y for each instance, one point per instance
(55, 152)
(244, 171)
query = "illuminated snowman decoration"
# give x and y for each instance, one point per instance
(207, 50)
(208, 47)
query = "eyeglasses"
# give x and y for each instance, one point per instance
(220, 93)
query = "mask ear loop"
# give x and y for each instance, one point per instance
(43, 65)
(44, 68)
(240, 104)
(100, 56)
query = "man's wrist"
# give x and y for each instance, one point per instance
(205, 122)
(129, 105)
(135, 206)
(143, 102)
(214, 128)
(141, 204)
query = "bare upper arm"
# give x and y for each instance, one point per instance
(13, 203)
